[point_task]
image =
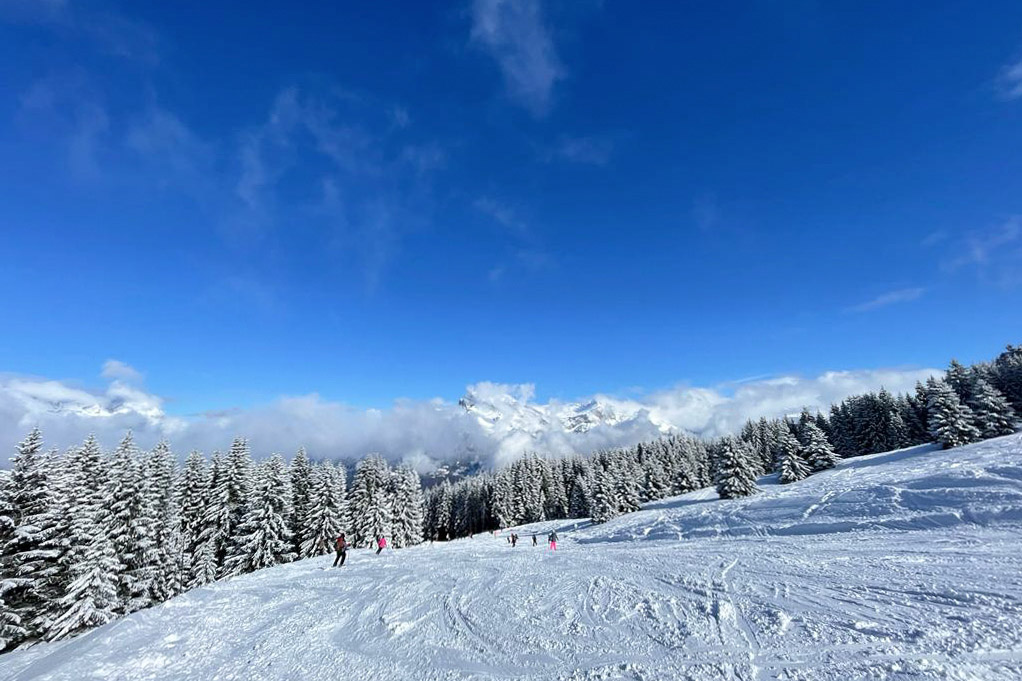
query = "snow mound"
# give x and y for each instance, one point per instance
(903, 565)
(909, 489)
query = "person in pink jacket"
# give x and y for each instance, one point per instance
(381, 543)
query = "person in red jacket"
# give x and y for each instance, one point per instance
(342, 550)
(381, 543)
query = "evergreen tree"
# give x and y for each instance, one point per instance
(211, 542)
(911, 416)
(734, 469)
(301, 492)
(604, 504)
(950, 421)
(324, 520)
(264, 535)
(169, 550)
(369, 508)
(90, 595)
(1007, 375)
(194, 491)
(960, 379)
(407, 504)
(29, 558)
(818, 452)
(131, 531)
(992, 415)
(792, 465)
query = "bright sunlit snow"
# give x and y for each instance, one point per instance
(903, 565)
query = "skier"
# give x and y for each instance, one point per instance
(342, 550)
(533, 539)
(553, 540)
(514, 540)
(381, 543)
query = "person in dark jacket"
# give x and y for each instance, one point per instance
(342, 550)
(533, 539)
(553, 540)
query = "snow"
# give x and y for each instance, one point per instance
(903, 565)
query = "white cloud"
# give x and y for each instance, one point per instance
(1010, 81)
(515, 35)
(904, 295)
(117, 370)
(995, 255)
(505, 420)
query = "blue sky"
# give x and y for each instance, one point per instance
(371, 201)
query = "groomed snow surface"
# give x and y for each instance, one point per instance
(904, 565)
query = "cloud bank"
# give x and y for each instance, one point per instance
(494, 423)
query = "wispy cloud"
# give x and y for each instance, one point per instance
(1009, 82)
(66, 108)
(515, 34)
(110, 32)
(174, 154)
(904, 295)
(994, 255)
(503, 214)
(935, 237)
(590, 150)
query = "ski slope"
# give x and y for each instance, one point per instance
(904, 565)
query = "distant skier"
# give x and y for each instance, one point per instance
(553, 540)
(381, 543)
(514, 540)
(342, 551)
(533, 539)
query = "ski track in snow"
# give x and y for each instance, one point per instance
(904, 565)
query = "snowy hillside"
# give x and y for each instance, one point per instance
(904, 565)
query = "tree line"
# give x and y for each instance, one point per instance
(86, 536)
(968, 404)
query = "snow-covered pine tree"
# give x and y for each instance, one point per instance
(369, 509)
(29, 558)
(950, 421)
(735, 476)
(11, 630)
(301, 489)
(915, 429)
(407, 504)
(992, 414)
(656, 483)
(90, 565)
(131, 527)
(323, 523)
(579, 496)
(166, 520)
(503, 499)
(627, 479)
(791, 464)
(817, 450)
(192, 495)
(604, 505)
(1007, 375)
(230, 488)
(214, 528)
(960, 379)
(263, 538)
(554, 494)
